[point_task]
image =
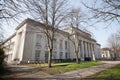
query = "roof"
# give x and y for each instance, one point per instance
(23, 22)
(81, 30)
(98, 44)
(19, 26)
(36, 23)
(104, 49)
(31, 22)
(86, 37)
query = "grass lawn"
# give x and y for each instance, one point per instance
(108, 74)
(58, 68)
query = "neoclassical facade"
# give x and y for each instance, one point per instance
(107, 53)
(28, 44)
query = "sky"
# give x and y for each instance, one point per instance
(99, 31)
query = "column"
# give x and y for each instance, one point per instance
(18, 35)
(82, 51)
(91, 50)
(86, 46)
(93, 53)
(88, 49)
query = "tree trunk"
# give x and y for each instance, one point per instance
(77, 61)
(50, 58)
(115, 56)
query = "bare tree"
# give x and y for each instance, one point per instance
(10, 12)
(105, 10)
(76, 18)
(76, 44)
(51, 13)
(9, 9)
(114, 44)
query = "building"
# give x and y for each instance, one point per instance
(28, 44)
(107, 53)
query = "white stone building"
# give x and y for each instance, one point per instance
(107, 53)
(28, 44)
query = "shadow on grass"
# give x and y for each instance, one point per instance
(4, 71)
(62, 65)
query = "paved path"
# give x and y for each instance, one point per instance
(30, 72)
(82, 73)
(19, 71)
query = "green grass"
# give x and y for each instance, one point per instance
(108, 74)
(58, 68)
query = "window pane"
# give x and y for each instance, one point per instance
(61, 44)
(54, 55)
(66, 44)
(54, 44)
(67, 55)
(37, 55)
(38, 39)
(61, 54)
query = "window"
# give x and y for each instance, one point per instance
(66, 55)
(79, 43)
(61, 44)
(46, 45)
(37, 55)
(38, 39)
(103, 56)
(61, 54)
(54, 44)
(54, 55)
(66, 44)
(46, 56)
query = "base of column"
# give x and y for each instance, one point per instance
(82, 59)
